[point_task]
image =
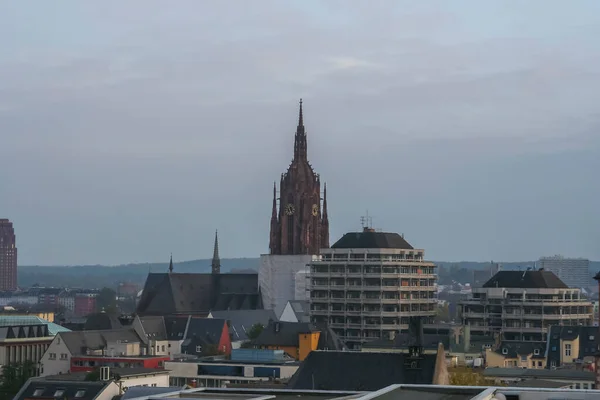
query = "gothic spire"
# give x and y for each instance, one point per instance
(274, 212)
(171, 264)
(300, 138)
(216, 261)
(300, 119)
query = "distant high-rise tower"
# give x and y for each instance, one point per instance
(216, 261)
(8, 256)
(301, 224)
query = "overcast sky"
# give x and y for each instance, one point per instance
(133, 129)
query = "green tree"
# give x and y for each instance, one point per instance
(254, 331)
(462, 376)
(106, 300)
(14, 377)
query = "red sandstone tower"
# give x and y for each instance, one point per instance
(8, 256)
(301, 224)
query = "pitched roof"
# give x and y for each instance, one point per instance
(154, 327)
(188, 293)
(24, 331)
(78, 342)
(589, 342)
(11, 320)
(209, 329)
(539, 373)
(515, 349)
(48, 389)
(369, 239)
(335, 370)
(240, 321)
(300, 309)
(525, 279)
(101, 321)
(279, 333)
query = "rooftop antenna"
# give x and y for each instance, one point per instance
(366, 221)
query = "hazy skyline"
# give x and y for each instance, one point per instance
(130, 130)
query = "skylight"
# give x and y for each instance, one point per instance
(79, 394)
(59, 393)
(38, 392)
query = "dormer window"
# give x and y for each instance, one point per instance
(536, 352)
(505, 351)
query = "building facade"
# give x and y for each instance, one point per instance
(523, 305)
(278, 278)
(300, 225)
(368, 285)
(574, 272)
(8, 257)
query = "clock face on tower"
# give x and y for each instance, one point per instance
(289, 209)
(315, 210)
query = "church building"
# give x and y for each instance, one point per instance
(299, 227)
(198, 294)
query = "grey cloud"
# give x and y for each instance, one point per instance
(177, 122)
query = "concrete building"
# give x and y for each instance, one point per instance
(368, 284)
(574, 272)
(8, 257)
(523, 305)
(246, 366)
(300, 285)
(277, 276)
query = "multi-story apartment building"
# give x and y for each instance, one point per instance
(25, 338)
(523, 305)
(574, 272)
(8, 256)
(368, 284)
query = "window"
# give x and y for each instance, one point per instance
(38, 392)
(567, 350)
(64, 356)
(59, 393)
(505, 351)
(536, 352)
(553, 363)
(52, 356)
(80, 393)
(198, 349)
(163, 347)
(553, 348)
(591, 337)
(524, 358)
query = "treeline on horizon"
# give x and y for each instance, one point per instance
(99, 276)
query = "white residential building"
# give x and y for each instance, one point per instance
(368, 284)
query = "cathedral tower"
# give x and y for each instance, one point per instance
(300, 224)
